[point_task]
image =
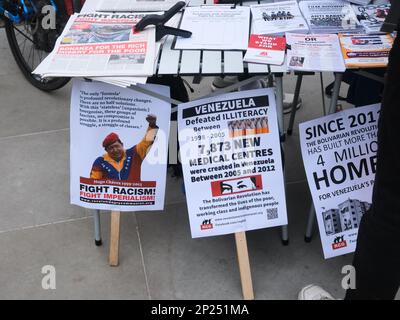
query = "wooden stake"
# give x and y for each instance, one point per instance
(244, 266)
(114, 238)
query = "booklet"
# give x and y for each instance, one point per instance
(215, 28)
(372, 17)
(101, 44)
(330, 16)
(316, 52)
(266, 50)
(366, 51)
(278, 18)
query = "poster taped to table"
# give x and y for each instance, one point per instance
(339, 155)
(119, 142)
(314, 52)
(366, 51)
(101, 44)
(231, 158)
(215, 28)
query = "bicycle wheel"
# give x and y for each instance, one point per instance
(30, 44)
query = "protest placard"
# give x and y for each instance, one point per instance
(231, 158)
(119, 142)
(339, 154)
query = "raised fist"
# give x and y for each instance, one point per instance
(151, 119)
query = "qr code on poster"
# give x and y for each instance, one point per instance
(272, 213)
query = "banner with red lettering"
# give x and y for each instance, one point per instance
(339, 154)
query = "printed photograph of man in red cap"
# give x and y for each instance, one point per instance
(119, 163)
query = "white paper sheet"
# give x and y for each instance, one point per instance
(215, 28)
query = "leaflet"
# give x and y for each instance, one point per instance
(266, 50)
(330, 16)
(314, 52)
(278, 18)
(366, 51)
(372, 17)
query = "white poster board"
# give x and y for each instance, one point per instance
(339, 154)
(231, 158)
(119, 143)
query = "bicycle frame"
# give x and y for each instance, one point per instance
(28, 8)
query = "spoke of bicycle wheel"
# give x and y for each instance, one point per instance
(23, 34)
(19, 45)
(30, 53)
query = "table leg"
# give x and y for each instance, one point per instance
(279, 112)
(294, 104)
(332, 109)
(97, 228)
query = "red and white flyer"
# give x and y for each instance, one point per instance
(266, 50)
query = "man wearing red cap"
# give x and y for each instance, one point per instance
(120, 164)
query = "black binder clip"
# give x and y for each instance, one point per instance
(160, 20)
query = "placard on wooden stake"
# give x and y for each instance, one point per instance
(114, 238)
(244, 265)
(241, 249)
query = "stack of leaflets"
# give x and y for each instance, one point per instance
(366, 51)
(278, 18)
(372, 16)
(103, 45)
(314, 52)
(330, 16)
(266, 50)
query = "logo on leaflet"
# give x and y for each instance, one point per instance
(339, 243)
(206, 225)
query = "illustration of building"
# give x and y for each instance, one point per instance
(346, 217)
(332, 222)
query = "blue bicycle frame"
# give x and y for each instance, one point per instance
(28, 9)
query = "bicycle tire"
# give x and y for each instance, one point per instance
(40, 83)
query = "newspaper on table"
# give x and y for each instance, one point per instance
(231, 159)
(314, 52)
(277, 18)
(119, 143)
(330, 16)
(266, 50)
(372, 16)
(101, 44)
(366, 51)
(215, 28)
(339, 155)
(134, 5)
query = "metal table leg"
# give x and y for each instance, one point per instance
(97, 228)
(310, 224)
(279, 112)
(294, 104)
(332, 109)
